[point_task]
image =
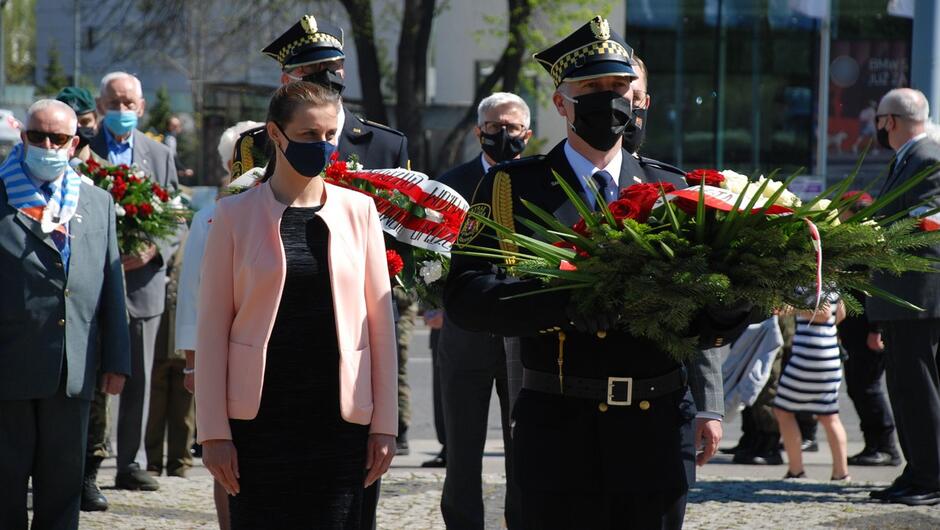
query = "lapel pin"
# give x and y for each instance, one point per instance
(357, 130)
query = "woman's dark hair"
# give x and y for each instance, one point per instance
(286, 101)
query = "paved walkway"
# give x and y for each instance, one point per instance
(755, 498)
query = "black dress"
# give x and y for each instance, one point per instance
(301, 465)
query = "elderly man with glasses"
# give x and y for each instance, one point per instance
(63, 321)
(470, 363)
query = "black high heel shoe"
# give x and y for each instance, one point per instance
(801, 474)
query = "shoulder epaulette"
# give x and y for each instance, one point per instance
(252, 132)
(385, 128)
(656, 164)
(519, 162)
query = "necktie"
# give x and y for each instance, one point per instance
(605, 184)
(57, 237)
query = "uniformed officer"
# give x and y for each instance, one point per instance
(604, 446)
(312, 50)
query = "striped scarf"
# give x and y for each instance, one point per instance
(24, 196)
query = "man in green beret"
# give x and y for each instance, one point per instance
(83, 104)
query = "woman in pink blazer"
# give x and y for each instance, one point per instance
(296, 377)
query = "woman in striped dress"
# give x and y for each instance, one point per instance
(810, 383)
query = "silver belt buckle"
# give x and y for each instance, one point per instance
(611, 381)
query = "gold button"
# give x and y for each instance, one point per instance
(602, 407)
(61, 322)
(58, 264)
(719, 341)
(556, 328)
(644, 405)
(67, 292)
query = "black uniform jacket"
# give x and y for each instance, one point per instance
(376, 146)
(476, 288)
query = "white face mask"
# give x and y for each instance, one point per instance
(46, 164)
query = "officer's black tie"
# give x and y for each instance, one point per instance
(605, 184)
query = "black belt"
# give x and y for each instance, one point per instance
(616, 391)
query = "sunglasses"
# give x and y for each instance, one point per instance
(57, 139)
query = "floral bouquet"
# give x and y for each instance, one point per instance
(658, 256)
(421, 219)
(145, 211)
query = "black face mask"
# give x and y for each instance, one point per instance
(881, 135)
(601, 118)
(327, 79)
(635, 132)
(85, 134)
(500, 146)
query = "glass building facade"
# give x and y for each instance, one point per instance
(735, 84)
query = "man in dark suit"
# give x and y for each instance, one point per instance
(118, 141)
(63, 321)
(312, 50)
(472, 362)
(911, 339)
(611, 450)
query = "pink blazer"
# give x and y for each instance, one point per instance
(242, 279)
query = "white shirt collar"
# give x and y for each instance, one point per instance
(902, 152)
(585, 169)
(486, 165)
(340, 123)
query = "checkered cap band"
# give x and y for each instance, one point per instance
(607, 47)
(316, 38)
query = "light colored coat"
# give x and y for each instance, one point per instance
(242, 280)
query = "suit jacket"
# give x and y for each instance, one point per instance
(476, 290)
(146, 286)
(376, 146)
(240, 292)
(921, 289)
(469, 349)
(47, 313)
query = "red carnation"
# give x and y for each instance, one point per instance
(102, 173)
(160, 192)
(642, 198)
(395, 263)
(146, 209)
(710, 177)
(130, 210)
(119, 174)
(336, 170)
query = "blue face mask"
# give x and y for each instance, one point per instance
(46, 164)
(120, 122)
(308, 159)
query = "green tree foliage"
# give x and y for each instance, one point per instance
(55, 76)
(159, 113)
(19, 40)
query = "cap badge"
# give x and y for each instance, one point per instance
(600, 27)
(310, 24)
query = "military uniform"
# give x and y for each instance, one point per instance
(606, 446)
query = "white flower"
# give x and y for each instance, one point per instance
(431, 271)
(734, 182)
(119, 210)
(157, 206)
(822, 205)
(789, 199)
